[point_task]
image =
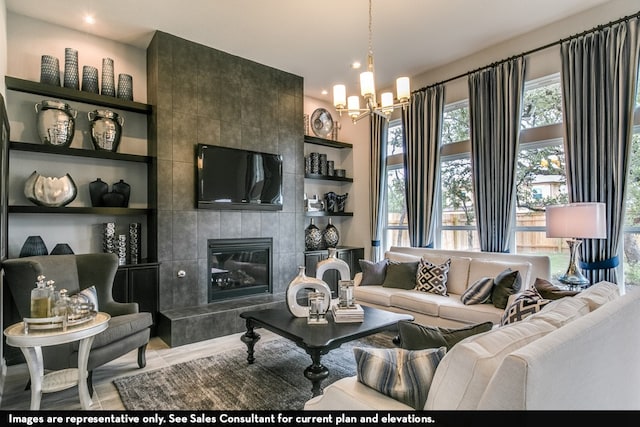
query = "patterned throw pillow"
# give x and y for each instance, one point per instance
(404, 375)
(479, 292)
(91, 295)
(524, 305)
(432, 278)
(373, 273)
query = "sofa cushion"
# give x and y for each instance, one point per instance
(404, 375)
(505, 284)
(465, 371)
(374, 294)
(432, 278)
(401, 275)
(479, 292)
(414, 336)
(120, 327)
(400, 257)
(419, 302)
(458, 272)
(599, 294)
(524, 305)
(479, 268)
(548, 290)
(560, 312)
(373, 273)
(452, 308)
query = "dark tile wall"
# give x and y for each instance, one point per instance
(203, 95)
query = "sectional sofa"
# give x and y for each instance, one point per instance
(577, 352)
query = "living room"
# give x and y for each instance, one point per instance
(170, 234)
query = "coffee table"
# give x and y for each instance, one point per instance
(316, 340)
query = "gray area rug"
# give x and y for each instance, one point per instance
(225, 381)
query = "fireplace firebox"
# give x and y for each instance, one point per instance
(239, 267)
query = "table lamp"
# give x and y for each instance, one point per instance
(576, 221)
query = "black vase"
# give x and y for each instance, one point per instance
(97, 189)
(112, 200)
(33, 246)
(312, 237)
(123, 188)
(62, 249)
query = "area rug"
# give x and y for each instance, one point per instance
(225, 381)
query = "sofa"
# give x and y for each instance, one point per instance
(577, 352)
(466, 268)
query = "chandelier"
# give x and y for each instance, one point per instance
(351, 105)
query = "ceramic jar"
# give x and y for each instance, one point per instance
(56, 122)
(106, 129)
(330, 235)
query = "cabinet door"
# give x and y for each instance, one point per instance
(120, 289)
(143, 289)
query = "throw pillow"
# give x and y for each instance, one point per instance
(373, 273)
(548, 290)
(524, 305)
(91, 295)
(400, 275)
(432, 278)
(479, 292)
(404, 375)
(505, 284)
(414, 336)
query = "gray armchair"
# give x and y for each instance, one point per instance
(128, 329)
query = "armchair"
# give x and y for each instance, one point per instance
(128, 329)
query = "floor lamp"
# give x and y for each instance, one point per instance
(574, 222)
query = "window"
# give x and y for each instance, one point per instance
(396, 231)
(631, 259)
(455, 122)
(457, 225)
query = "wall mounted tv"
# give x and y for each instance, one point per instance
(232, 178)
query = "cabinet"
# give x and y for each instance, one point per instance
(333, 183)
(87, 160)
(350, 255)
(139, 283)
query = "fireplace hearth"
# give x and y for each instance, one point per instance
(239, 267)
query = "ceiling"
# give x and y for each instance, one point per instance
(317, 40)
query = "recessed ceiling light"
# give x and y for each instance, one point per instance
(356, 65)
(324, 92)
(89, 19)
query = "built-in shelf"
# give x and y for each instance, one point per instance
(327, 178)
(36, 88)
(324, 213)
(78, 152)
(78, 210)
(326, 142)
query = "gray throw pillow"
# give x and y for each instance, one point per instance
(373, 273)
(505, 284)
(414, 336)
(479, 292)
(401, 275)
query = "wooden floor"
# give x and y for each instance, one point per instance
(105, 396)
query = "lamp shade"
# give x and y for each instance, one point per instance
(577, 220)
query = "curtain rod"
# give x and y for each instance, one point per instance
(529, 52)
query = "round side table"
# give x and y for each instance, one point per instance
(31, 346)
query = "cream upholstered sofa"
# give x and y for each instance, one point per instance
(577, 352)
(466, 268)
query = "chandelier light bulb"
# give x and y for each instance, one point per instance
(386, 100)
(339, 96)
(353, 105)
(367, 87)
(402, 89)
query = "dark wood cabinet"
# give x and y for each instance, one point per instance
(138, 283)
(350, 255)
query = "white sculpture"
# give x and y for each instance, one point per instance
(300, 282)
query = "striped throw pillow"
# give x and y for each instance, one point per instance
(404, 375)
(479, 292)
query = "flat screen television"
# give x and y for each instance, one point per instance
(232, 178)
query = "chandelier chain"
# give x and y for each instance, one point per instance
(370, 29)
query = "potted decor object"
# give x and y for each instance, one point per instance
(50, 191)
(106, 129)
(56, 122)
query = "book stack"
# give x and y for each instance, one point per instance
(351, 314)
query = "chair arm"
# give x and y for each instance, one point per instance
(115, 308)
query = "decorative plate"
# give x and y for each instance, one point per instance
(321, 122)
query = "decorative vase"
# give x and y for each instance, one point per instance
(55, 122)
(71, 79)
(304, 282)
(112, 200)
(33, 246)
(90, 79)
(312, 237)
(62, 249)
(135, 234)
(97, 189)
(332, 262)
(106, 129)
(124, 189)
(50, 191)
(125, 86)
(49, 70)
(341, 201)
(330, 235)
(330, 201)
(108, 78)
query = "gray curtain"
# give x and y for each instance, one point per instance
(378, 184)
(422, 124)
(495, 97)
(599, 82)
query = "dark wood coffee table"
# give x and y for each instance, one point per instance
(316, 340)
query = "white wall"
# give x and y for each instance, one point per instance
(3, 43)
(27, 40)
